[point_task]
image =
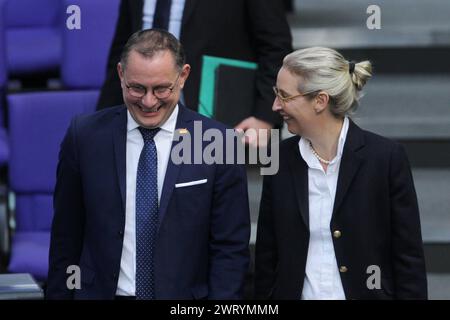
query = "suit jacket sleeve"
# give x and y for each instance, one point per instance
(265, 252)
(68, 220)
(230, 233)
(111, 92)
(408, 257)
(273, 42)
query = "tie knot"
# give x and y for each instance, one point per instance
(148, 134)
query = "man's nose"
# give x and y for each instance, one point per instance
(277, 106)
(149, 100)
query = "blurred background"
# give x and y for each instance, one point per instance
(48, 73)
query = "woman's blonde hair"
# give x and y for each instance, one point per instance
(324, 69)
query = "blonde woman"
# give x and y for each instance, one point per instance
(340, 219)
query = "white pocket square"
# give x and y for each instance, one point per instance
(190, 183)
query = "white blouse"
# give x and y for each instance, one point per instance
(322, 278)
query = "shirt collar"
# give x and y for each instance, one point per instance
(168, 126)
(310, 158)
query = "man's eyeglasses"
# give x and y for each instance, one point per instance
(159, 92)
(287, 99)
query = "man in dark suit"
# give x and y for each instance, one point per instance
(137, 224)
(250, 30)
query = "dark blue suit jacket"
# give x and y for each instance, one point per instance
(202, 245)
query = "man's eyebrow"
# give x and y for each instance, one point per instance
(284, 93)
(163, 85)
(135, 84)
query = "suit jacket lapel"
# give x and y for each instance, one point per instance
(350, 163)
(299, 170)
(183, 121)
(119, 128)
(189, 7)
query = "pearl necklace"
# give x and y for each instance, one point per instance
(317, 155)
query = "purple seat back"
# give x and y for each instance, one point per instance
(2, 48)
(33, 35)
(4, 149)
(85, 50)
(33, 13)
(38, 122)
(44, 43)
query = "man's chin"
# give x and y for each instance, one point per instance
(149, 123)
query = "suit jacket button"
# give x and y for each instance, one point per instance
(121, 233)
(337, 234)
(343, 269)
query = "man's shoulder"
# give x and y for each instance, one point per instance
(207, 123)
(86, 127)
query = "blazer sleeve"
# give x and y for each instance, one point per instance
(265, 251)
(111, 91)
(229, 234)
(408, 256)
(68, 220)
(273, 41)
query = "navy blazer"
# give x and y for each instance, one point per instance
(375, 212)
(203, 233)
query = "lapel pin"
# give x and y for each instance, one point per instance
(183, 131)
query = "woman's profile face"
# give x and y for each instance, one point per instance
(297, 110)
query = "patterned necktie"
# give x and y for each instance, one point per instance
(146, 215)
(162, 14)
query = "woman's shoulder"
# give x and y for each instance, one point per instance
(381, 146)
(288, 146)
(289, 142)
(376, 139)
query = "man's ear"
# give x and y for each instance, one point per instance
(120, 70)
(321, 101)
(185, 71)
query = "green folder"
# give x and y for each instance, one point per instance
(208, 79)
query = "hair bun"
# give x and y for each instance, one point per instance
(362, 72)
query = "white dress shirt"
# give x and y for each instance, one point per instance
(322, 278)
(163, 140)
(176, 16)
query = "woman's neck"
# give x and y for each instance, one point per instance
(326, 139)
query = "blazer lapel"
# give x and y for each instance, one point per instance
(350, 163)
(299, 170)
(189, 7)
(173, 170)
(119, 128)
